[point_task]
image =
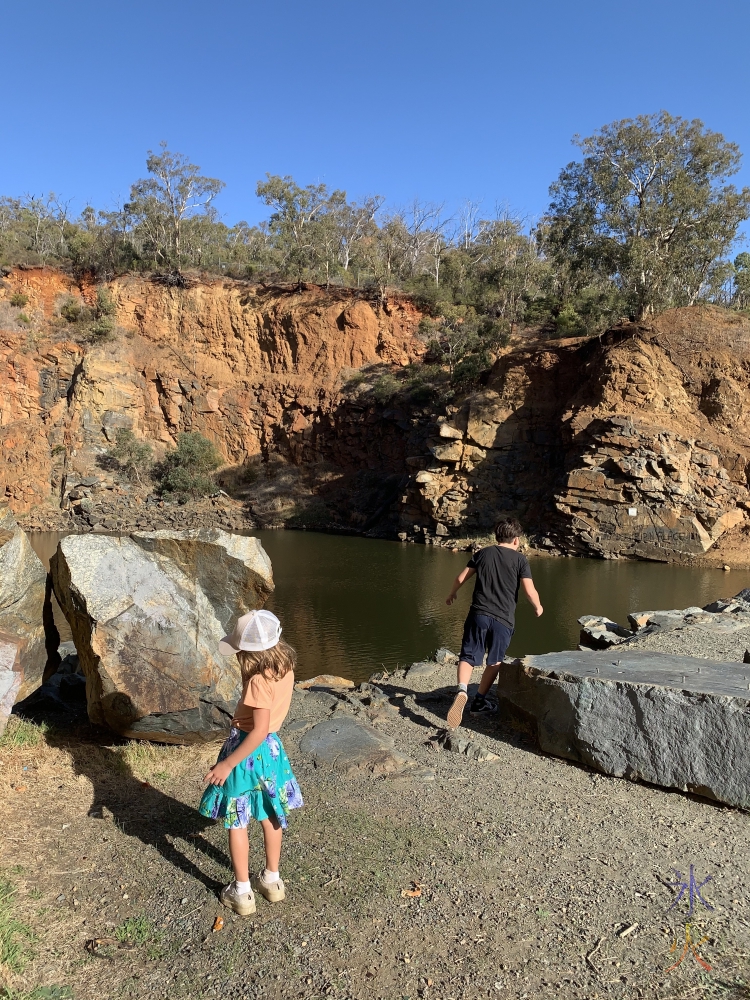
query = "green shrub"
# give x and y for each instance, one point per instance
(102, 328)
(568, 323)
(23, 318)
(186, 471)
(19, 300)
(72, 310)
(133, 457)
(105, 305)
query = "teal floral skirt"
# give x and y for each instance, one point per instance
(262, 786)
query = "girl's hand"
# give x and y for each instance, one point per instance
(218, 773)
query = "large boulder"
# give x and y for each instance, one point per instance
(23, 580)
(675, 721)
(147, 612)
(11, 675)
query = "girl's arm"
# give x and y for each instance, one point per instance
(462, 577)
(221, 771)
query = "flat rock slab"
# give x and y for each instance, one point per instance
(422, 669)
(347, 745)
(675, 721)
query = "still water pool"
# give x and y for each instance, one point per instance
(354, 605)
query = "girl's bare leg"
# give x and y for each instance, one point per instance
(272, 834)
(239, 850)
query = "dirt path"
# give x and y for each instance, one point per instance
(523, 876)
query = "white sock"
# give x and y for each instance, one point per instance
(464, 688)
(241, 887)
(269, 877)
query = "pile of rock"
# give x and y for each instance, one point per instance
(93, 505)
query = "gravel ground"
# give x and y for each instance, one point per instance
(521, 876)
(696, 640)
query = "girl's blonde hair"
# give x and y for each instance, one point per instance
(273, 663)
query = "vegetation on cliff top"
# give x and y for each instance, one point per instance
(647, 219)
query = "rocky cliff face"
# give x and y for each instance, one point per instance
(635, 445)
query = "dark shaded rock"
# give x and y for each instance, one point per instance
(675, 721)
(22, 591)
(147, 613)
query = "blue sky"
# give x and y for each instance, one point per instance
(437, 100)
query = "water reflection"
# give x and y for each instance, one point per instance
(353, 605)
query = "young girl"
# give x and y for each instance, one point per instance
(252, 777)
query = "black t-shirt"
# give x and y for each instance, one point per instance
(499, 573)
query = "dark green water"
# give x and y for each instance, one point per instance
(353, 605)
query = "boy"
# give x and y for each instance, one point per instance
(500, 570)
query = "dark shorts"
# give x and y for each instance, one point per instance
(484, 633)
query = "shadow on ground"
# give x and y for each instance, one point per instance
(137, 807)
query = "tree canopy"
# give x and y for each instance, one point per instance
(647, 218)
(650, 209)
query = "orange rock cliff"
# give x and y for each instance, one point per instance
(633, 445)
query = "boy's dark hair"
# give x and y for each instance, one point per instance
(507, 529)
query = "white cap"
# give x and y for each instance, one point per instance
(254, 632)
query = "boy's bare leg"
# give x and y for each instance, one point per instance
(463, 674)
(488, 677)
(456, 711)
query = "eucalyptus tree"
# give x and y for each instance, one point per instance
(649, 207)
(164, 204)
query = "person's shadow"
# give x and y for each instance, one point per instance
(137, 807)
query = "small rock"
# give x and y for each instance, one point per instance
(444, 655)
(325, 681)
(726, 568)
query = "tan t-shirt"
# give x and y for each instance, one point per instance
(261, 692)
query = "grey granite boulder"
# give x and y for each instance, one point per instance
(22, 590)
(147, 613)
(348, 745)
(676, 721)
(11, 675)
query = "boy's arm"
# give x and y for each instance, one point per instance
(531, 592)
(462, 577)
(221, 771)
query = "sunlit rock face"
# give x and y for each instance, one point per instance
(147, 613)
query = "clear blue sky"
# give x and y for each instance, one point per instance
(473, 99)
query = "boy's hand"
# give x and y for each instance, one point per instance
(539, 611)
(450, 599)
(218, 773)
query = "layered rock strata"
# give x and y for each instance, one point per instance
(633, 445)
(675, 721)
(147, 613)
(23, 581)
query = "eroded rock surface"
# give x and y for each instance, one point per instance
(11, 675)
(675, 721)
(22, 590)
(147, 613)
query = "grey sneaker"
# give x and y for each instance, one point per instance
(274, 892)
(243, 903)
(456, 711)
